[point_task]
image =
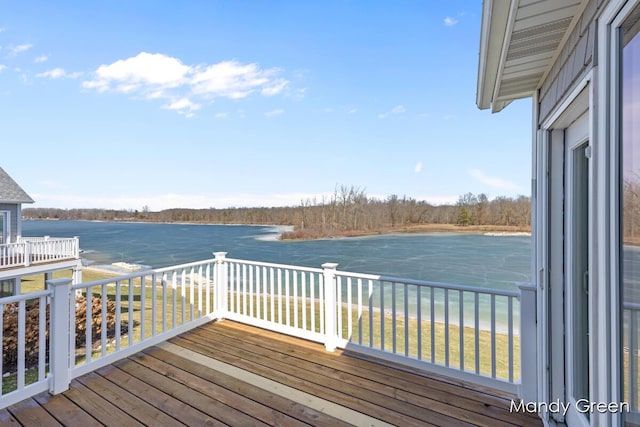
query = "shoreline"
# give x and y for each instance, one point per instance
(290, 233)
(488, 230)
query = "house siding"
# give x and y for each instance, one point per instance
(577, 58)
(14, 214)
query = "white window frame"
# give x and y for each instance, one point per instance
(608, 153)
(579, 99)
(6, 226)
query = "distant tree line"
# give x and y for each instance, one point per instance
(348, 209)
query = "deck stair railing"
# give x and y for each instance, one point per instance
(472, 333)
(38, 250)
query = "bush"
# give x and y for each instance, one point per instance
(96, 319)
(10, 330)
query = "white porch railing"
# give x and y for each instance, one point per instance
(143, 309)
(38, 250)
(467, 332)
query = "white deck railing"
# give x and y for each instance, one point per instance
(469, 332)
(143, 309)
(409, 321)
(38, 250)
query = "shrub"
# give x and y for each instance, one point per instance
(96, 319)
(32, 317)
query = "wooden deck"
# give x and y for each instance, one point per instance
(225, 373)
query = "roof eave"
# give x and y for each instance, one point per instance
(16, 202)
(496, 14)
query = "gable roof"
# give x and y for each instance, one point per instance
(519, 42)
(10, 191)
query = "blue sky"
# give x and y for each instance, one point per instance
(247, 103)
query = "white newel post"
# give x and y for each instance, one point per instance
(221, 284)
(76, 277)
(330, 332)
(60, 321)
(528, 343)
(27, 253)
(76, 247)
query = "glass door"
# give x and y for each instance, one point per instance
(576, 272)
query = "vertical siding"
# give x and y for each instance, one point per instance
(577, 57)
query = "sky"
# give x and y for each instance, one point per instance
(198, 104)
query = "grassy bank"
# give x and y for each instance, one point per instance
(310, 233)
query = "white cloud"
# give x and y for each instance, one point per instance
(497, 183)
(21, 48)
(277, 87)
(352, 111)
(156, 76)
(2, 67)
(274, 113)
(41, 58)
(221, 115)
(183, 106)
(230, 79)
(57, 73)
(167, 201)
(146, 71)
(418, 167)
(398, 109)
(449, 21)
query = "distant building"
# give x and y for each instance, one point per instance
(24, 256)
(12, 196)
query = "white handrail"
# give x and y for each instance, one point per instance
(38, 250)
(430, 325)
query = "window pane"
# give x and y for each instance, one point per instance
(630, 199)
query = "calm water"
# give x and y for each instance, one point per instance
(476, 260)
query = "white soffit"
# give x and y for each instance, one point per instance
(519, 41)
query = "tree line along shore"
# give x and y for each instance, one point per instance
(349, 211)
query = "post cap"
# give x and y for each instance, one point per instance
(59, 282)
(330, 265)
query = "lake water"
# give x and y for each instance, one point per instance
(469, 259)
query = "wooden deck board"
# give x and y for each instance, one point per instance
(329, 384)
(384, 380)
(392, 381)
(65, 411)
(270, 407)
(29, 412)
(226, 373)
(167, 382)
